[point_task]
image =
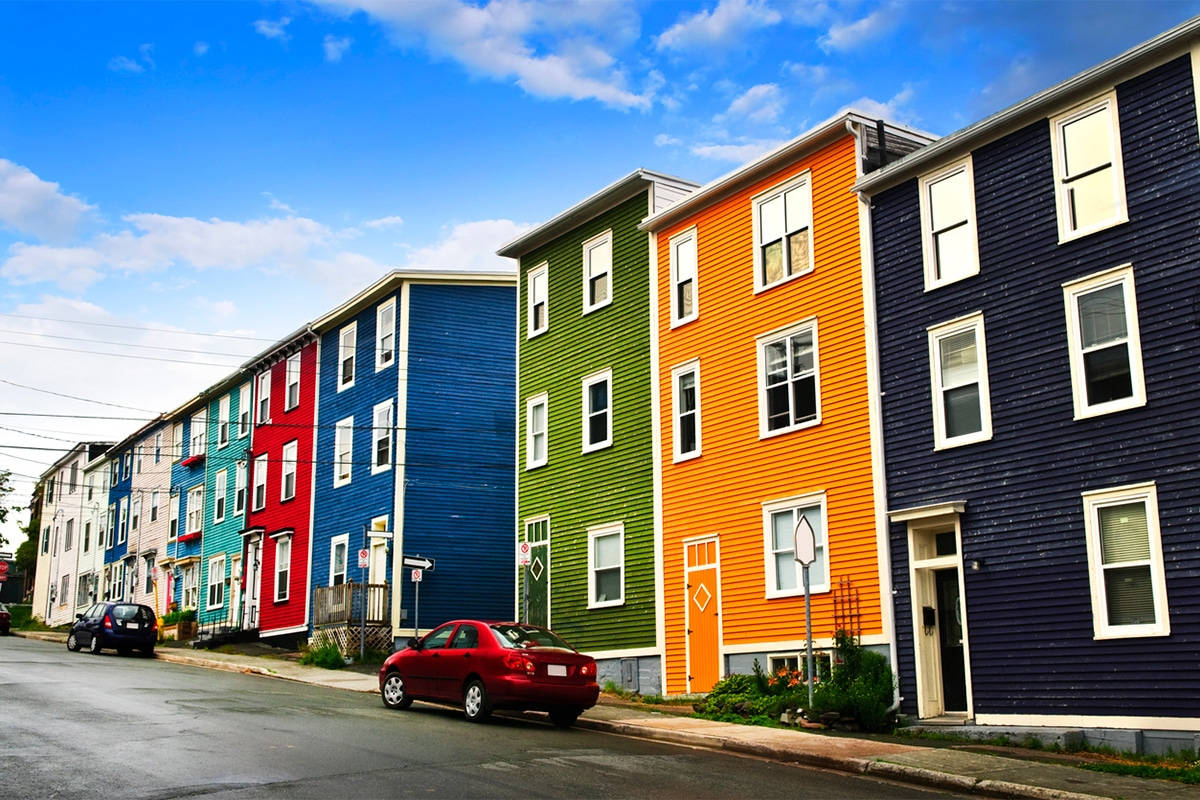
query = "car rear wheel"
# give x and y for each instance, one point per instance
(395, 695)
(72, 642)
(94, 646)
(565, 717)
(476, 705)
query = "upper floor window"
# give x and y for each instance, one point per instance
(293, 381)
(606, 566)
(339, 547)
(1125, 562)
(537, 411)
(199, 434)
(684, 305)
(1104, 343)
(1089, 178)
(216, 581)
(948, 236)
(537, 311)
(288, 484)
(176, 443)
(239, 488)
(157, 458)
(223, 421)
(220, 488)
(781, 519)
(685, 384)
(783, 232)
(958, 369)
(283, 567)
(260, 482)
(597, 271)
(264, 396)
(243, 410)
(597, 411)
(347, 344)
(123, 529)
(91, 482)
(385, 334)
(343, 451)
(789, 394)
(172, 518)
(195, 509)
(381, 437)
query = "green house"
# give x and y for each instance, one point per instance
(585, 478)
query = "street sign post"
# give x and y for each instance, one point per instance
(380, 534)
(805, 551)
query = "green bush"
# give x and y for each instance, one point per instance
(327, 656)
(175, 617)
(862, 687)
(20, 615)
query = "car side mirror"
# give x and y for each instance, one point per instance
(413, 643)
(79, 616)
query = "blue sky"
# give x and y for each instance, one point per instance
(238, 168)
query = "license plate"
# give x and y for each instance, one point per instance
(132, 626)
(556, 670)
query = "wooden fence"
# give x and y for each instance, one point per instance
(342, 604)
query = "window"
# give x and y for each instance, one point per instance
(223, 421)
(123, 528)
(243, 410)
(82, 590)
(780, 518)
(1125, 561)
(239, 489)
(264, 397)
(385, 334)
(293, 382)
(1104, 343)
(75, 476)
(125, 464)
(948, 237)
(157, 458)
(46, 540)
(685, 383)
(177, 441)
(783, 233)
(684, 305)
(339, 548)
(135, 517)
(1089, 179)
(116, 586)
(154, 506)
(191, 587)
(112, 526)
(597, 411)
(91, 483)
(216, 582)
(148, 570)
(347, 341)
(195, 509)
(343, 451)
(958, 369)
(788, 396)
(199, 434)
(87, 536)
(283, 567)
(137, 464)
(260, 482)
(537, 410)
(381, 438)
(288, 484)
(172, 517)
(66, 586)
(606, 566)
(597, 272)
(537, 311)
(219, 489)
(69, 536)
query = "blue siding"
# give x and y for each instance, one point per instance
(119, 491)
(1028, 610)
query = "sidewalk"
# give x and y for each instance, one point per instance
(951, 769)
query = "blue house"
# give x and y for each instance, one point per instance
(1035, 290)
(116, 584)
(414, 442)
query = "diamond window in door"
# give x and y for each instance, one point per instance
(701, 597)
(536, 568)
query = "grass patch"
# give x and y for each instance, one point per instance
(327, 657)
(1181, 773)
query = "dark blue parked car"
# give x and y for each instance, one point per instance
(125, 626)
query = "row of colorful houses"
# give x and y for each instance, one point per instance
(962, 363)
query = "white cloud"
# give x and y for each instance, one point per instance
(761, 103)
(200, 48)
(124, 64)
(215, 308)
(470, 245)
(147, 51)
(276, 204)
(852, 35)
(814, 73)
(724, 26)
(336, 47)
(737, 153)
(1021, 79)
(276, 29)
(893, 110)
(384, 222)
(72, 268)
(666, 140)
(31, 205)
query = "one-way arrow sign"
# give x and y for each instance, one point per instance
(418, 562)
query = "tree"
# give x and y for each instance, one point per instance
(5, 491)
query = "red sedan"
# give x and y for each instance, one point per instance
(488, 665)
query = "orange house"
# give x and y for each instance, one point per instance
(763, 420)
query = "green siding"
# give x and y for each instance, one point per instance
(580, 490)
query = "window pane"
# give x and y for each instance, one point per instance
(804, 399)
(608, 585)
(1130, 596)
(538, 423)
(1102, 315)
(782, 532)
(776, 362)
(1087, 142)
(687, 433)
(785, 571)
(772, 255)
(1123, 533)
(598, 396)
(778, 412)
(770, 220)
(687, 392)
(949, 202)
(685, 259)
(802, 353)
(683, 299)
(1092, 199)
(598, 289)
(961, 406)
(796, 208)
(1107, 374)
(952, 251)
(608, 551)
(959, 358)
(597, 428)
(798, 252)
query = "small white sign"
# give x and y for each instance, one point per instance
(416, 575)
(364, 557)
(523, 554)
(806, 542)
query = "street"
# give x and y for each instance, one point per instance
(77, 725)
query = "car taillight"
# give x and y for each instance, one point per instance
(518, 663)
(108, 623)
(154, 624)
(588, 670)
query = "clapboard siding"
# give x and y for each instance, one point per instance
(223, 538)
(1028, 610)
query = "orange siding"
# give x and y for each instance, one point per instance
(722, 491)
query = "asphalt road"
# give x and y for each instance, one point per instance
(77, 725)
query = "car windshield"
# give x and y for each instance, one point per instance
(527, 636)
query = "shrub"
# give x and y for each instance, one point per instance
(327, 656)
(862, 687)
(176, 616)
(20, 615)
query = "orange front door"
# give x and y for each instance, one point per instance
(703, 617)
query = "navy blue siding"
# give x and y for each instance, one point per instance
(119, 491)
(1028, 610)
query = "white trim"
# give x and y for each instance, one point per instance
(245, 406)
(198, 512)
(1072, 291)
(262, 381)
(346, 424)
(312, 477)
(220, 495)
(819, 642)
(542, 269)
(633, 652)
(588, 246)
(224, 405)
(936, 335)
(928, 246)
(656, 461)
(380, 310)
(715, 564)
(778, 191)
(280, 539)
(693, 367)
(818, 584)
(288, 374)
(605, 376)
(1196, 77)
(689, 234)
(349, 330)
(399, 445)
(289, 464)
(262, 633)
(208, 583)
(596, 532)
(1058, 122)
(1093, 501)
(760, 344)
(266, 461)
(376, 437)
(543, 400)
(1091, 721)
(931, 511)
(344, 540)
(239, 482)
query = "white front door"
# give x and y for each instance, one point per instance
(235, 590)
(253, 570)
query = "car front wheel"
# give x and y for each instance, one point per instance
(72, 642)
(94, 647)
(476, 705)
(394, 693)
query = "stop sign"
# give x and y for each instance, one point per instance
(3, 567)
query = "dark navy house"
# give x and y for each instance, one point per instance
(1037, 292)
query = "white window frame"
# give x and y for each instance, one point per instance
(283, 543)
(761, 344)
(259, 491)
(86, 544)
(343, 442)
(172, 518)
(757, 202)
(381, 431)
(677, 373)
(385, 331)
(1062, 197)
(123, 525)
(1093, 501)
(342, 541)
(69, 535)
(245, 410)
(190, 581)
(936, 334)
(176, 441)
(223, 421)
(262, 405)
(157, 458)
(531, 301)
(293, 382)
(287, 483)
(220, 490)
(216, 567)
(589, 249)
(135, 517)
(195, 509)
(817, 583)
(587, 413)
(137, 466)
(681, 273)
(239, 489)
(595, 533)
(530, 434)
(933, 276)
(1072, 291)
(198, 434)
(347, 352)
(154, 505)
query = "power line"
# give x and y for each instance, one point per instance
(74, 397)
(140, 328)
(118, 355)
(124, 344)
